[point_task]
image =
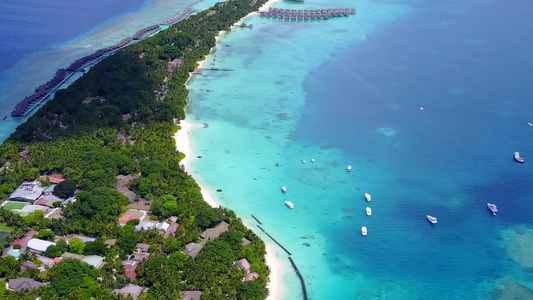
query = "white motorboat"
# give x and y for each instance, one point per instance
(283, 189)
(368, 197)
(492, 208)
(364, 231)
(530, 124)
(431, 219)
(518, 158)
(349, 168)
(312, 160)
(303, 161)
(368, 211)
(289, 204)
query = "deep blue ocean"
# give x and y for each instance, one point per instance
(27, 26)
(349, 92)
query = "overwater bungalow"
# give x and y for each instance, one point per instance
(262, 13)
(313, 17)
(270, 9)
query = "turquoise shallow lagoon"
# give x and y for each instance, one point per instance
(347, 92)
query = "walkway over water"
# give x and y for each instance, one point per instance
(26, 105)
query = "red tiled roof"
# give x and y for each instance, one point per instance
(131, 272)
(125, 218)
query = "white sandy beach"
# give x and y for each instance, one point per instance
(183, 145)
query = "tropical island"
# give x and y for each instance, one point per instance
(95, 202)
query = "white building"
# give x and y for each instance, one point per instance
(39, 246)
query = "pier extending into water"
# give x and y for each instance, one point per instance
(307, 14)
(26, 105)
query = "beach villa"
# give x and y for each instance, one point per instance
(28, 191)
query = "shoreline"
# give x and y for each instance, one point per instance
(184, 145)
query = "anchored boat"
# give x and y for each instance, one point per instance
(368, 197)
(349, 168)
(289, 204)
(364, 231)
(492, 208)
(283, 189)
(368, 211)
(518, 158)
(431, 219)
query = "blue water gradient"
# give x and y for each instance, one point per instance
(36, 39)
(349, 92)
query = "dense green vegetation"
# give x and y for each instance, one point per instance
(91, 144)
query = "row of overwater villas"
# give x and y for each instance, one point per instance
(307, 13)
(25, 105)
(182, 13)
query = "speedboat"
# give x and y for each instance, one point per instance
(312, 160)
(349, 168)
(368, 211)
(364, 231)
(518, 158)
(431, 219)
(303, 161)
(283, 189)
(421, 108)
(368, 197)
(492, 208)
(289, 204)
(530, 124)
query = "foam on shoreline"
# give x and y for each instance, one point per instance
(183, 145)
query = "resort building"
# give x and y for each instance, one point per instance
(28, 191)
(244, 264)
(191, 295)
(215, 232)
(251, 276)
(94, 261)
(192, 249)
(171, 231)
(130, 269)
(131, 290)
(23, 284)
(39, 246)
(141, 247)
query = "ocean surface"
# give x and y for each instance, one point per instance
(37, 39)
(348, 91)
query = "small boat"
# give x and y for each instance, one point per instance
(289, 204)
(421, 108)
(431, 219)
(530, 124)
(283, 189)
(277, 165)
(368, 197)
(368, 211)
(518, 158)
(349, 168)
(303, 161)
(492, 208)
(364, 231)
(312, 160)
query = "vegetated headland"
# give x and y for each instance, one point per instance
(93, 189)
